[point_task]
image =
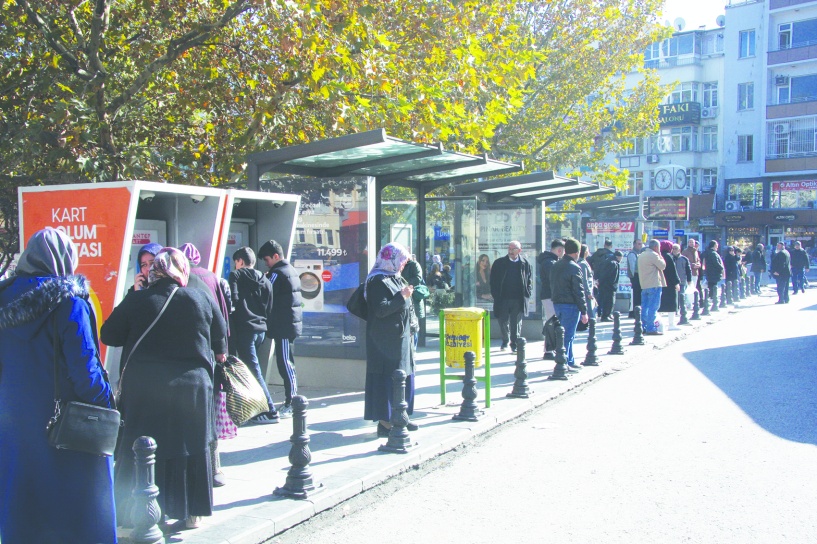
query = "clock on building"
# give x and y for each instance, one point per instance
(663, 179)
(680, 179)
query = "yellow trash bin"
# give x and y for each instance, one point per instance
(463, 332)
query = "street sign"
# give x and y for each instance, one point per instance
(660, 232)
(679, 232)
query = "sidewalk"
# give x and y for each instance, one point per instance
(345, 460)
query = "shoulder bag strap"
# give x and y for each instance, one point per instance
(135, 345)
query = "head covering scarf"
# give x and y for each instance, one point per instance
(666, 246)
(152, 248)
(389, 261)
(191, 253)
(49, 252)
(170, 263)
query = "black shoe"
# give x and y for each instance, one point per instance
(513, 348)
(631, 315)
(549, 356)
(779, 302)
(382, 432)
(503, 347)
(412, 426)
(653, 333)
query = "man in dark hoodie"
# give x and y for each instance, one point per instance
(598, 261)
(251, 295)
(544, 262)
(285, 321)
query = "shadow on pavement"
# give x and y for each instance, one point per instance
(774, 383)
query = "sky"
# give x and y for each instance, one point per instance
(694, 12)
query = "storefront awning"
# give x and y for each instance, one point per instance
(374, 153)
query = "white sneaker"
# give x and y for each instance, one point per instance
(192, 522)
(285, 411)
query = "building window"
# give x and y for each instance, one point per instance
(746, 96)
(784, 36)
(709, 178)
(684, 139)
(692, 179)
(793, 194)
(301, 233)
(803, 88)
(330, 238)
(712, 44)
(635, 146)
(685, 92)
(791, 138)
(711, 95)
(803, 33)
(746, 44)
(709, 138)
(635, 182)
(748, 194)
(746, 148)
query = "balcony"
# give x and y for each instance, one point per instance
(672, 62)
(791, 163)
(800, 107)
(780, 4)
(797, 53)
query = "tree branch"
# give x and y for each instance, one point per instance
(55, 42)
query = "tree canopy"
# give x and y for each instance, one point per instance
(183, 90)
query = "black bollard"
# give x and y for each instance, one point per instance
(590, 359)
(724, 291)
(468, 408)
(638, 329)
(520, 385)
(728, 289)
(399, 440)
(695, 307)
(706, 302)
(299, 482)
(615, 349)
(146, 512)
(560, 370)
(682, 309)
(742, 288)
(735, 291)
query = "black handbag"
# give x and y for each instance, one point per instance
(357, 305)
(79, 426)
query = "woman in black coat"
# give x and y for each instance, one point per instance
(669, 294)
(389, 331)
(166, 385)
(731, 264)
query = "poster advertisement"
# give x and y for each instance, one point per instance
(498, 227)
(94, 219)
(622, 234)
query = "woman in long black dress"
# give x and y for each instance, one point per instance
(167, 386)
(669, 294)
(389, 330)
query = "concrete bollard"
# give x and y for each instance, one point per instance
(591, 359)
(468, 408)
(696, 316)
(560, 370)
(399, 440)
(615, 349)
(299, 482)
(520, 385)
(146, 512)
(638, 329)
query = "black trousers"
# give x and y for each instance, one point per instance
(782, 288)
(607, 299)
(636, 291)
(509, 314)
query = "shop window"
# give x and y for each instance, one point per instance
(749, 195)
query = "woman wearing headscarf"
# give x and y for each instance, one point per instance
(49, 495)
(166, 386)
(144, 260)
(389, 331)
(669, 294)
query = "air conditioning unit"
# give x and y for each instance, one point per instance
(708, 113)
(781, 128)
(732, 206)
(781, 80)
(652, 159)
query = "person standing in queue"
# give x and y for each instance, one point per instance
(49, 495)
(632, 273)
(390, 328)
(544, 263)
(799, 267)
(569, 301)
(511, 289)
(285, 323)
(781, 272)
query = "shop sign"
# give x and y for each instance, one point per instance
(673, 208)
(784, 217)
(706, 221)
(733, 218)
(803, 185)
(660, 232)
(679, 232)
(683, 113)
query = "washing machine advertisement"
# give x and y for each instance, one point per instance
(310, 272)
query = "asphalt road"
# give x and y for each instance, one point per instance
(711, 441)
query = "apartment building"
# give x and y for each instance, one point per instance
(738, 132)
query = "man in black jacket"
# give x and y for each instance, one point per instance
(566, 284)
(251, 295)
(544, 262)
(511, 289)
(781, 271)
(799, 267)
(713, 268)
(608, 274)
(287, 314)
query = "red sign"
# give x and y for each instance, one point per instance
(326, 275)
(794, 185)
